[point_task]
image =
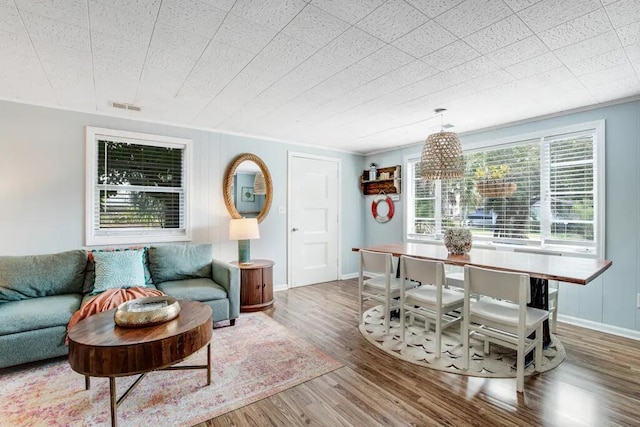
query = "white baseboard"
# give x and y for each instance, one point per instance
(349, 276)
(602, 327)
(280, 287)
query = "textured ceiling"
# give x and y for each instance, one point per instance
(358, 75)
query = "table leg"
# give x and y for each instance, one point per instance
(87, 382)
(209, 364)
(539, 299)
(114, 404)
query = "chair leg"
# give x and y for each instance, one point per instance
(538, 361)
(438, 338)
(520, 365)
(487, 348)
(402, 322)
(554, 318)
(464, 331)
(387, 315)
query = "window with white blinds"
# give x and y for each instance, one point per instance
(137, 187)
(542, 190)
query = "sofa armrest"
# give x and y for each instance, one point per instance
(228, 276)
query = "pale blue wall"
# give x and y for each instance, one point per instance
(610, 299)
(42, 178)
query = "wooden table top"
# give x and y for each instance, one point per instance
(542, 266)
(98, 347)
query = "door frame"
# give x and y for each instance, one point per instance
(338, 162)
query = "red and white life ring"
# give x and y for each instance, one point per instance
(374, 208)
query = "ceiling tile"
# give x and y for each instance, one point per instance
(349, 47)
(518, 5)
(315, 27)
(425, 39)
(582, 28)
(550, 13)
(72, 12)
(10, 20)
(11, 43)
(629, 34)
(52, 52)
(599, 62)
(518, 52)
(534, 66)
(351, 11)
(473, 15)
(392, 20)
(433, 8)
(287, 51)
(121, 23)
(146, 9)
(452, 55)
(588, 48)
(623, 12)
(125, 51)
(274, 14)
(382, 62)
(106, 69)
(178, 42)
(243, 34)
(633, 52)
(225, 5)
(54, 31)
(177, 66)
(500, 34)
(191, 15)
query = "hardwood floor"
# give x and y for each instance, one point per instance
(598, 384)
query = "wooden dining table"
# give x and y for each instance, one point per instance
(540, 267)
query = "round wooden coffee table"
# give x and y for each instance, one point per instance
(100, 348)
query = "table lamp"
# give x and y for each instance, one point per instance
(242, 230)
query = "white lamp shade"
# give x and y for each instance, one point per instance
(244, 229)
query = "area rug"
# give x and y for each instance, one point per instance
(252, 360)
(419, 348)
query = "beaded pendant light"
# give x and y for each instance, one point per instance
(442, 155)
(259, 185)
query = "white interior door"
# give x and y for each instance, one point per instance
(313, 221)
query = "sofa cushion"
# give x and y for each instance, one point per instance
(203, 289)
(178, 262)
(38, 313)
(90, 271)
(32, 276)
(116, 270)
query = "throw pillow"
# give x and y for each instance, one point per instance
(119, 269)
(89, 276)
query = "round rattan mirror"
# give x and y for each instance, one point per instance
(247, 187)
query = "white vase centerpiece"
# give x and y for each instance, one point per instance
(458, 240)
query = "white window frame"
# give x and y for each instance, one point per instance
(95, 236)
(555, 247)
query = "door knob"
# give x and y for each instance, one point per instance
(294, 229)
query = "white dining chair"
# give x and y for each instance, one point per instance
(431, 300)
(504, 317)
(381, 284)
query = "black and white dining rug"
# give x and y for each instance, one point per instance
(419, 348)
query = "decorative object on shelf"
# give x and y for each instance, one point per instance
(458, 240)
(373, 171)
(146, 311)
(390, 208)
(493, 183)
(243, 230)
(388, 181)
(259, 185)
(442, 154)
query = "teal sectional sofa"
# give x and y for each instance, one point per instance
(40, 293)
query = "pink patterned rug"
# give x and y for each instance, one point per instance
(252, 360)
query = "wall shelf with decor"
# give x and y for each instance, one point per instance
(387, 181)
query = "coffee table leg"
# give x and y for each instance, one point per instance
(87, 382)
(209, 364)
(114, 405)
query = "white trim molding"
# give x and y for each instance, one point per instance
(601, 327)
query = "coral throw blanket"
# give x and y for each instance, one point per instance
(111, 298)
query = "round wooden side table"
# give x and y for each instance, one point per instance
(256, 285)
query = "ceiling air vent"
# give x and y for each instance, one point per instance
(124, 106)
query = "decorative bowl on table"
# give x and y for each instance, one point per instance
(458, 240)
(146, 311)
